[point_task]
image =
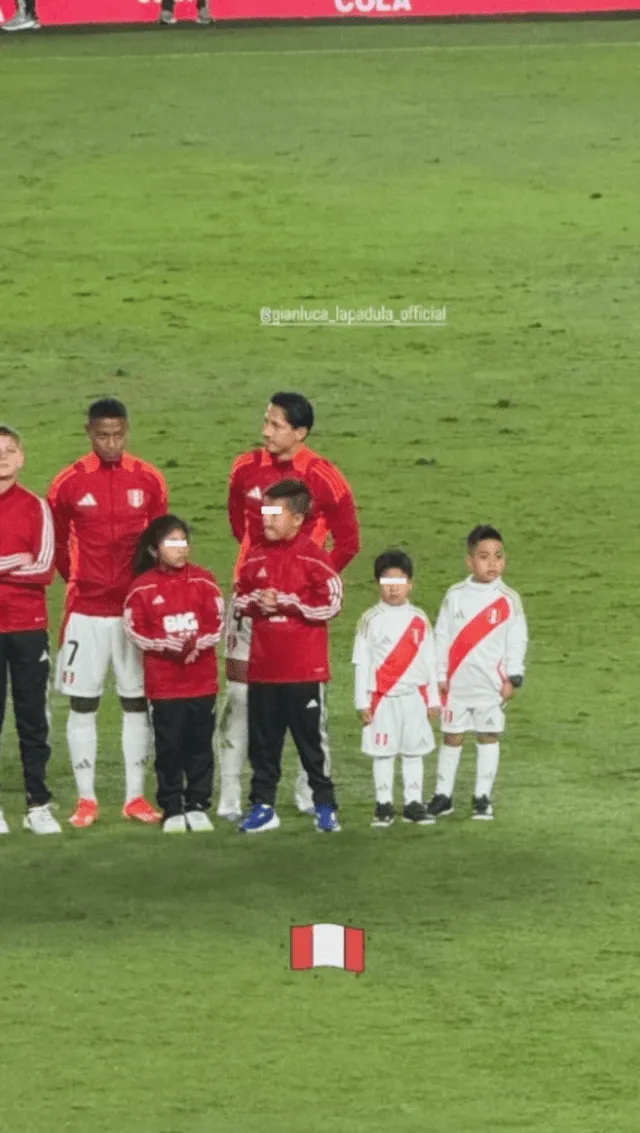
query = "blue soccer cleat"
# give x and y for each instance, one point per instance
(327, 820)
(259, 818)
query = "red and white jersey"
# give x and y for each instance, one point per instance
(99, 511)
(394, 654)
(26, 560)
(481, 639)
(163, 608)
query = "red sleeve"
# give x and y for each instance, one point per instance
(211, 614)
(62, 525)
(159, 501)
(41, 569)
(139, 627)
(245, 594)
(335, 500)
(235, 502)
(320, 598)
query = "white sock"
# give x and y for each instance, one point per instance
(448, 760)
(303, 794)
(233, 744)
(135, 748)
(383, 768)
(486, 768)
(82, 738)
(412, 778)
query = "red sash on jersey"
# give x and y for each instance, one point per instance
(400, 658)
(478, 628)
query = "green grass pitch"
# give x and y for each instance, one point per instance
(155, 191)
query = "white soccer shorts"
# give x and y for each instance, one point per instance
(237, 636)
(400, 726)
(90, 644)
(457, 719)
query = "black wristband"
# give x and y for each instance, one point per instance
(517, 682)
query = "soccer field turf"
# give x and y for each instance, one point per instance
(156, 190)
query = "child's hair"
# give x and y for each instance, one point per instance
(482, 531)
(151, 539)
(390, 560)
(294, 492)
(9, 431)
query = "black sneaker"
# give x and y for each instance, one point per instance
(384, 815)
(482, 808)
(439, 806)
(418, 813)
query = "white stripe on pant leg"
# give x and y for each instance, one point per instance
(324, 735)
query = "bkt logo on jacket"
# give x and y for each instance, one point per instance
(180, 623)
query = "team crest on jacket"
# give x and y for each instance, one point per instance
(135, 497)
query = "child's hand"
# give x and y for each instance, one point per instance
(366, 716)
(188, 647)
(443, 689)
(268, 601)
(433, 713)
(507, 691)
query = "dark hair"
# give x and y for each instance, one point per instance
(294, 492)
(151, 539)
(389, 560)
(296, 408)
(482, 531)
(9, 431)
(107, 407)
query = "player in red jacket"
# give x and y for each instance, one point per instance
(288, 420)
(174, 614)
(288, 585)
(26, 568)
(101, 504)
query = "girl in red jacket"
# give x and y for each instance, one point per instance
(174, 614)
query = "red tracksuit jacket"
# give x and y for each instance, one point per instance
(26, 560)
(162, 608)
(99, 510)
(333, 513)
(291, 646)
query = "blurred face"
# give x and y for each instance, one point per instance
(278, 522)
(11, 461)
(174, 549)
(280, 439)
(108, 436)
(395, 587)
(487, 561)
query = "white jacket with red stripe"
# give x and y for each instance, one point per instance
(394, 654)
(481, 639)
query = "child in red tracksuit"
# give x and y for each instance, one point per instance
(174, 614)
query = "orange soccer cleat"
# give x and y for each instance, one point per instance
(141, 810)
(86, 813)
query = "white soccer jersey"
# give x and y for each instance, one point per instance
(394, 654)
(481, 639)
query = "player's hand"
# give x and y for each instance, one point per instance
(433, 713)
(507, 691)
(365, 715)
(443, 688)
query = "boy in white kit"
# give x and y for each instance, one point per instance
(481, 641)
(396, 689)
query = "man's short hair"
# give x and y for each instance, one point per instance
(481, 532)
(9, 431)
(392, 560)
(297, 409)
(294, 492)
(107, 407)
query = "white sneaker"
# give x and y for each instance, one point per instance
(198, 821)
(39, 820)
(21, 22)
(177, 824)
(204, 16)
(4, 825)
(167, 18)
